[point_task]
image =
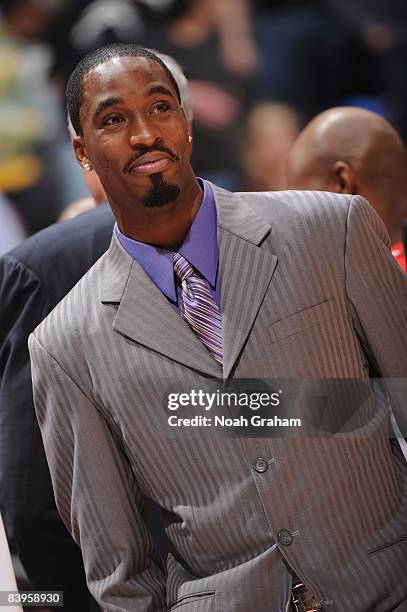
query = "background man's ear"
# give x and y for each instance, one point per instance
(343, 178)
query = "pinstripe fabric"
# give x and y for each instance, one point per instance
(309, 291)
(199, 308)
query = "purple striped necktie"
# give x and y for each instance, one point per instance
(198, 307)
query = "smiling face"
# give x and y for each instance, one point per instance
(134, 134)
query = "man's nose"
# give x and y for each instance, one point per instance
(143, 132)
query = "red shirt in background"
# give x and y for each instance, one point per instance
(398, 252)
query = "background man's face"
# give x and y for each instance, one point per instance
(134, 132)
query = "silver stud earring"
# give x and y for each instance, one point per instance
(86, 166)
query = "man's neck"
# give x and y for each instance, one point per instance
(164, 227)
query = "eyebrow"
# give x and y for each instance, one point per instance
(159, 89)
(105, 104)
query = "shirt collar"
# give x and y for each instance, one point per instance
(200, 248)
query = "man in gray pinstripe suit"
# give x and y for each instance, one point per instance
(307, 289)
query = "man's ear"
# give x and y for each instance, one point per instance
(80, 153)
(343, 178)
(190, 137)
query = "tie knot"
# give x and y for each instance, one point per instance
(182, 267)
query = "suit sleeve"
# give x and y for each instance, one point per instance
(377, 289)
(96, 492)
(50, 557)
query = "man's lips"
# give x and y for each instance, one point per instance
(150, 163)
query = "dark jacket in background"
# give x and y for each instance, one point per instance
(34, 277)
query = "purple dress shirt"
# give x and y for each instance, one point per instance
(200, 248)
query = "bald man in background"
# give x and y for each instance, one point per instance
(355, 151)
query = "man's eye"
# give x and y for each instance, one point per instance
(161, 107)
(112, 120)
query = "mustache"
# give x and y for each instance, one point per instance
(144, 150)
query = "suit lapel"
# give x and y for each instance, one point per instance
(145, 315)
(246, 269)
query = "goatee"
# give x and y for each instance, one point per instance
(160, 193)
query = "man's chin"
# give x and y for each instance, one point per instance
(160, 193)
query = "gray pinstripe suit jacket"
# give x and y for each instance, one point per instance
(309, 290)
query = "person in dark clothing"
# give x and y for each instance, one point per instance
(305, 55)
(379, 30)
(194, 39)
(34, 277)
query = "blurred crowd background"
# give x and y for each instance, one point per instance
(258, 70)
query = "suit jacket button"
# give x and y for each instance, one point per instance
(261, 465)
(284, 537)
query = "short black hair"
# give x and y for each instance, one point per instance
(74, 89)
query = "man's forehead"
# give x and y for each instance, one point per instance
(124, 71)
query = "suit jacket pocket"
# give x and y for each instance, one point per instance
(303, 320)
(385, 545)
(203, 601)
